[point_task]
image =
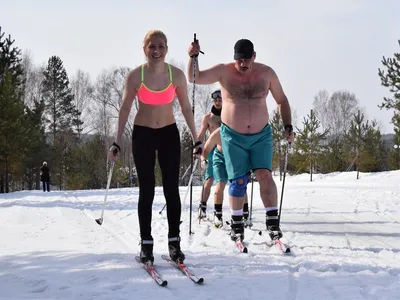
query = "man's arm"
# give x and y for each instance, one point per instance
(213, 139)
(280, 98)
(186, 109)
(208, 76)
(203, 128)
(127, 100)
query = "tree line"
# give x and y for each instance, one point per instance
(70, 122)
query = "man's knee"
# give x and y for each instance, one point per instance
(238, 186)
(219, 187)
(264, 176)
(209, 182)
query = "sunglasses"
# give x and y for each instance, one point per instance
(216, 95)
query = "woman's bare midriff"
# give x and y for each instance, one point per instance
(154, 116)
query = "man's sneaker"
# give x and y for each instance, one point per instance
(146, 251)
(237, 228)
(174, 248)
(218, 222)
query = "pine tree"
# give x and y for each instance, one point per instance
(373, 149)
(11, 110)
(309, 139)
(12, 129)
(37, 147)
(391, 79)
(10, 61)
(277, 134)
(395, 153)
(364, 144)
(57, 97)
(60, 113)
(333, 158)
(353, 140)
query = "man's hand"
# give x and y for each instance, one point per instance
(288, 133)
(113, 152)
(197, 149)
(204, 163)
(194, 49)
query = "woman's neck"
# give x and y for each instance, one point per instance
(156, 68)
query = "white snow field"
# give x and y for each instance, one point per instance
(344, 235)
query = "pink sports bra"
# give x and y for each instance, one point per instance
(147, 96)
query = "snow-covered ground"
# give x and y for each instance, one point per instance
(344, 234)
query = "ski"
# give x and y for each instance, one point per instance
(281, 246)
(184, 269)
(242, 248)
(278, 244)
(149, 267)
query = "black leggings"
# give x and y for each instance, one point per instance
(166, 141)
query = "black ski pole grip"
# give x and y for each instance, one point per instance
(195, 39)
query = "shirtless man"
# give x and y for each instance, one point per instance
(245, 133)
(210, 122)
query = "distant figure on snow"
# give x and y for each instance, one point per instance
(45, 176)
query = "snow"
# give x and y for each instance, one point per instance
(344, 235)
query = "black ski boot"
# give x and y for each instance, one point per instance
(237, 228)
(146, 251)
(218, 222)
(174, 247)
(202, 210)
(272, 222)
(247, 222)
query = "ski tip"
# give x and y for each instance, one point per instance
(287, 250)
(99, 221)
(164, 283)
(245, 250)
(200, 281)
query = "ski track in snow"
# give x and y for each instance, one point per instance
(344, 235)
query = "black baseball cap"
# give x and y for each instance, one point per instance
(244, 49)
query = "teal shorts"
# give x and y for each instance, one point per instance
(219, 167)
(209, 171)
(244, 152)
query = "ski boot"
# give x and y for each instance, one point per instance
(272, 222)
(237, 228)
(218, 222)
(202, 211)
(146, 251)
(174, 248)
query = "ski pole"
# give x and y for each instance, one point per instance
(283, 182)
(187, 170)
(251, 197)
(189, 184)
(191, 154)
(100, 220)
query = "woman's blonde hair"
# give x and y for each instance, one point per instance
(153, 33)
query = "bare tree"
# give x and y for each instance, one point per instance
(33, 78)
(82, 90)
(321, 102)
(102, 95)
(342, 105)
(335, 111)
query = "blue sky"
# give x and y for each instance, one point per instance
(311, 44)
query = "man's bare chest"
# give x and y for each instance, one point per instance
(254, 87)
(214, 122)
